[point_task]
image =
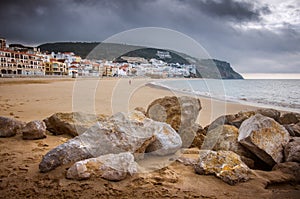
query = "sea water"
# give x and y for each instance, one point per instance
(279, 93)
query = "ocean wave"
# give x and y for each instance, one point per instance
(269, 94)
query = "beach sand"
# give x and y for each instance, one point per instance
(36, 99)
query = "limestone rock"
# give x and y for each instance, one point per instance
(240, 117)
(289, 129)
(192, 136)
(292, 150)
(226, 138)
(71, 151)
(296, 129)
(235, 120)
(180, 112)
(293, 129)
(167, 139)
(10, 127)
(34, 130)
(268, 112)
(224, 164)
(114, 167)
(264, 137)
(220, 121)
(120, 133)
(289, 118)
(72, 123)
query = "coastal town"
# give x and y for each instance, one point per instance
(17, 60)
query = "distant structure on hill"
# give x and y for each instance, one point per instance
(113, 60)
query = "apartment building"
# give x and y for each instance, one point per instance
(20, 63)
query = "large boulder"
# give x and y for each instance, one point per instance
(192, 136)
(234, 120)
(264, 137)
(10, 127)
(293, 129)
(296, 129)
(224, 164)
(269, 112)
(292, 150)
(120, 133)
(179, 112)
(34, 130)
(225, 138)
(289, 118)
(114, 167)
(167, 140)
(73, 124)
(70, 151)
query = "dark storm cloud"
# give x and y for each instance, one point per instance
(235, 10)
(210, 22)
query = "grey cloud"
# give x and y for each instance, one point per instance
(208, 22)
(231, 9)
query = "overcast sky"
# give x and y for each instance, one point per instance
(256, 36)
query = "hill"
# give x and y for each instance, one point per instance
(150, 53)
(206, 68)
(79, 48)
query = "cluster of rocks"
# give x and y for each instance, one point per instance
(264, 139)
(110, 147)
(30, 131)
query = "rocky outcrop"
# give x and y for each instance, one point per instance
(120, 133)
(264, 137)
(292, 150)
(72, 124)
(213, 68)
(34, 130)
(289, 118)
(10, 127)
(226, 138)
(179, 112)
(224, 164)
(114, 167)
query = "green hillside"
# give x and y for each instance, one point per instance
(206, 68)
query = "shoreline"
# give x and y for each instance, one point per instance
(32, 99)
(228, 100)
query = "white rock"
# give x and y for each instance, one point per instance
(264, 137)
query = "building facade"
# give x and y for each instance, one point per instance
(56, 67)
(20, 63)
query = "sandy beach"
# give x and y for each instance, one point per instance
(33, 99)
(36, 99)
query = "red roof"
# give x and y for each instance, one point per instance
(75, 67)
